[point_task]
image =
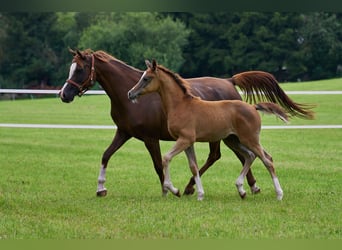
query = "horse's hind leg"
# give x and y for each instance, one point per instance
(190, 153)
(214, 155)
(233, 143)
(268, 162)
(248, 156)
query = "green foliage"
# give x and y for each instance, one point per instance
(27, 52)
(133, 37)
(292, 46)
(321, 36)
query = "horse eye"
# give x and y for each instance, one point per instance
(147, 79)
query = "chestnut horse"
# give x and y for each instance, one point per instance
(222, 119)
(116, 78)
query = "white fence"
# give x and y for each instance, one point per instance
(101, 92)
(44, 91)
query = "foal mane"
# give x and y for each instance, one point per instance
(183, 84)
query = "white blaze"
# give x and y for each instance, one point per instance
(71, 72)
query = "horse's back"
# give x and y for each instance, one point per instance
(218, 119)
(213, 89)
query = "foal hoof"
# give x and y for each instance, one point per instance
(178, 194)
(280, 196)
(243, 195)
(256, 190)
(101, 193)
(189, 191)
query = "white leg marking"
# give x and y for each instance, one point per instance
(167, 185)
(199, 186)
(278, 189)
(101, 179)
(239, 185)
(255, 189)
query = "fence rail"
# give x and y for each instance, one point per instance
(44, 91)
(102, 92)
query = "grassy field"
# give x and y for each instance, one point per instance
(48, 179)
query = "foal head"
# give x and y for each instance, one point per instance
(81, 76)
(149, 82)
(153, 77)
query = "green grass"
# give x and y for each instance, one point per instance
(330, 85)
(48, 179)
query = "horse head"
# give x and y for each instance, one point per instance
(81, 75)
(145, 84)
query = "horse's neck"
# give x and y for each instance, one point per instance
(116, 79)
(172, 96)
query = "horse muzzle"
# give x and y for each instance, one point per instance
(133, 97)
(65, 98)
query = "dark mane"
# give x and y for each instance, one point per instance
(184, 85)
(105, 57)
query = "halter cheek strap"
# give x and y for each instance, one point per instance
(88, 83)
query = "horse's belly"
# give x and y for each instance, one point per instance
(213, 134)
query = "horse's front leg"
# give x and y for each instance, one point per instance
(190, 153)
(153, 148)
(214, 155)
(119, 139)
(181, 145)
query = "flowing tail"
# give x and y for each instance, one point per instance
(272, 108)
(262, 86)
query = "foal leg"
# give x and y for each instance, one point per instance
(119, 139)
(214, 155)
(233, 143)
(268, 162)
(181, 145)
(248, 158)
(190, 153)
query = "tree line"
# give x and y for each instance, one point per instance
(292, 46)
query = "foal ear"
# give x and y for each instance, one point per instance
(154, 64)
(148, 64)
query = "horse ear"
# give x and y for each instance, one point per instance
(73, 52)
(148, 64)
(80, 54)
(154, 64)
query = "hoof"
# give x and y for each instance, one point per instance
(200, 197)
(189, 191)
(280, 196)
(243, 195)
(101, 193)
(256, 190)
(178, 194)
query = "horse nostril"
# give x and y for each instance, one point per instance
(130, 95)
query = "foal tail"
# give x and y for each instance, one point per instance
(262, 86)
(272, 108)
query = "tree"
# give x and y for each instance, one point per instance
(27, 55)
(133, 37)
(321, 44)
